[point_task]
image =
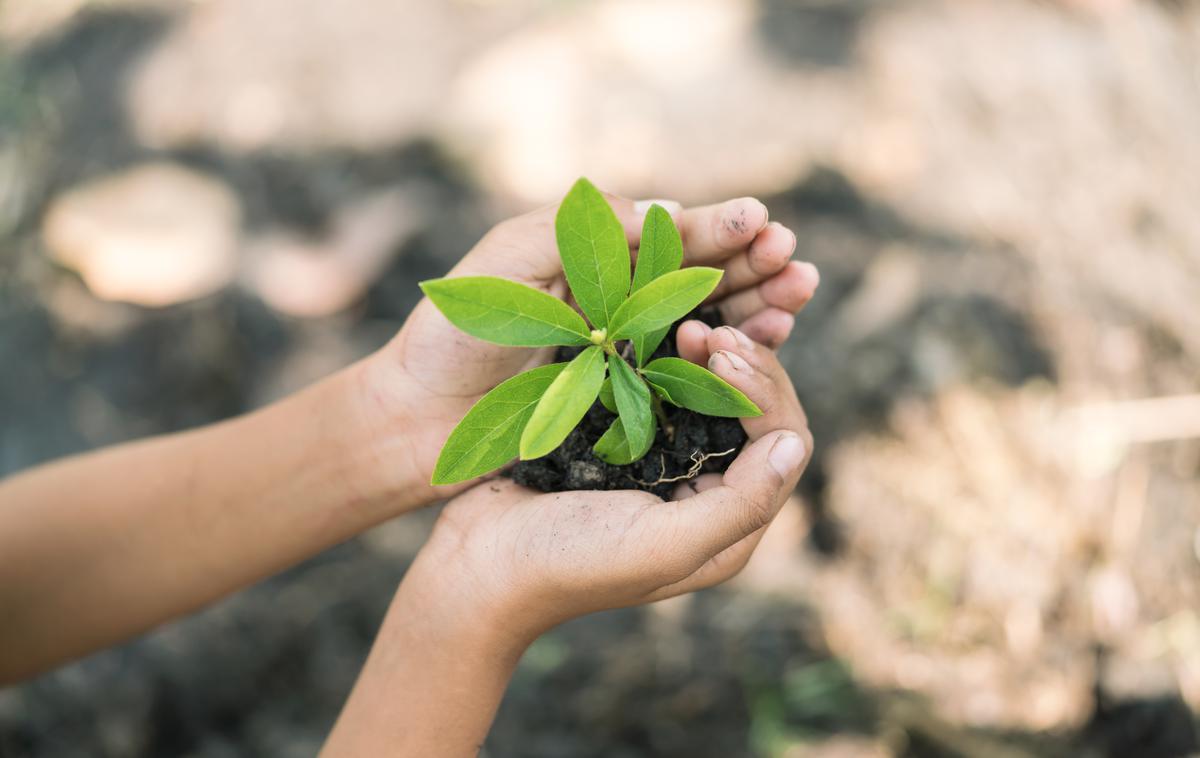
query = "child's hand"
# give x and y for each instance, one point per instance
(431, 374)
(543, 558)
(505, 563)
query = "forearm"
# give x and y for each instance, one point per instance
(99, 547)
(434, 678)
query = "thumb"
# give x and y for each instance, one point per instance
(753, 490)
(632, 214)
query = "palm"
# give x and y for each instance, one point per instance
(460, 368)
(451, 370)
(612, 550)
(559, 555)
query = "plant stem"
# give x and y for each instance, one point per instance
(661, 413)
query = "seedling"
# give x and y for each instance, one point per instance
(532, 413)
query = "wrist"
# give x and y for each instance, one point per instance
(368, 430)
(461, 570)
(435, 675)
(454, 602)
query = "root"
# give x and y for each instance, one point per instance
(697, 459)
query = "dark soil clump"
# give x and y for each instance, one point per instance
(700, 444)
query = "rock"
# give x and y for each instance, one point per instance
(152, 235)
(584, 475)
(310, 277)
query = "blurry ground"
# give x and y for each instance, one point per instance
(204, 205)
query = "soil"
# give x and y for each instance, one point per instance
(700, 444)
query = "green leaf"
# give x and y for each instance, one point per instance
(505, 312)
(660, 252)
(698, 389)
(633, 404)
(564, 403)
(489, 435)
(594, 252)
(660, 390)
(663, 301)
(645, 344)
(613, 446)
(606, 395)
(661, 249)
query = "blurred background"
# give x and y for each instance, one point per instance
(205, 205)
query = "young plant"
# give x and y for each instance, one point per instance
(532, 413)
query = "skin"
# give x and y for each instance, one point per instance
(506, 563)
(760, 295)
(100, 547)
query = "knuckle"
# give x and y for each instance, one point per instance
(673, 571)
(767, 362)
(518, 227)
(676, 559)
(765, 400)
(756, 512)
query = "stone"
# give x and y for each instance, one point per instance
(153, 235)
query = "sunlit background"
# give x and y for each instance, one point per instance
(206, 205)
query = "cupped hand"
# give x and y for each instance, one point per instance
(530, 560)
(431, 373)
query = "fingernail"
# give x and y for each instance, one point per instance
(670, 206)
(786, 454)
(734, 360)
(704, 328)
(742, 340)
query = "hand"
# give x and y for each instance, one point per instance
(540, 559)
(505, 563)
(424, 382)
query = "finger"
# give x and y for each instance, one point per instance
(720, 568)
(789, 290)
(776, 400)
(714, 233)
(753, 490)
(524, 247)
(756, 371)
(768, 254)
(521, 248)
(732, 340)
(632, 214)
(691, 341)
(770, 327)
